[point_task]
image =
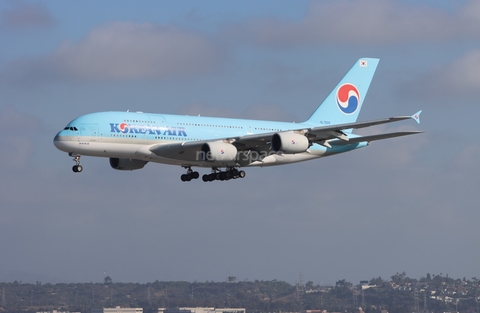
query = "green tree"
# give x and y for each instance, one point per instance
(108, 280)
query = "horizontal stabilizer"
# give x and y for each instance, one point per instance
(372, 138)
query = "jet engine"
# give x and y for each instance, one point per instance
(126, 164)
(218, 151)
(289, 143)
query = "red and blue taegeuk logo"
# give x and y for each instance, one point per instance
(348, 98)
(124, 127)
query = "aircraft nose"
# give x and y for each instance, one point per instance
(56, 140)
(59, 142)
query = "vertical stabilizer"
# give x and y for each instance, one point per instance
(344, 103)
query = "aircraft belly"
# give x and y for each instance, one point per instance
(96, 146)
(111, 150)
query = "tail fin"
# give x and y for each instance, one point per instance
(344, 103)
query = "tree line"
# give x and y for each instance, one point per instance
(400, 294)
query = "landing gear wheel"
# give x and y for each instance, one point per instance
(190, 175)
(217, 174)
(77, 168)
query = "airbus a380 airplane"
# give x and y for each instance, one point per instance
(132, 139)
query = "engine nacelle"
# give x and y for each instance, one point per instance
(126, 164)
(218, 151)
(289, 143)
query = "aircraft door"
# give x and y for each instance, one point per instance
(90, 131)
(157, 122)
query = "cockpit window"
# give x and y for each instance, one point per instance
(70, 128)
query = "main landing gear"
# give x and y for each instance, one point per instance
(77, 168)
(190, 175)
(229, 173)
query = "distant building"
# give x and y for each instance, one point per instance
(201, 310)
(55, 311)
(118, 310)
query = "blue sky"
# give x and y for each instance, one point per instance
(407, 204)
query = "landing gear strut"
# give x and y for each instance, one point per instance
(77, 168)
(190, 175)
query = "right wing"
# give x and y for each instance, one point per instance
(323, 135)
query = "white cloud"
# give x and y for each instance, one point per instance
(457, 81)
(366, 22)
(26, 16)
(124, 51)
(130, 51)
(471, 10)
(463, 72)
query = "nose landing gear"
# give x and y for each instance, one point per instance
(77, 168)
